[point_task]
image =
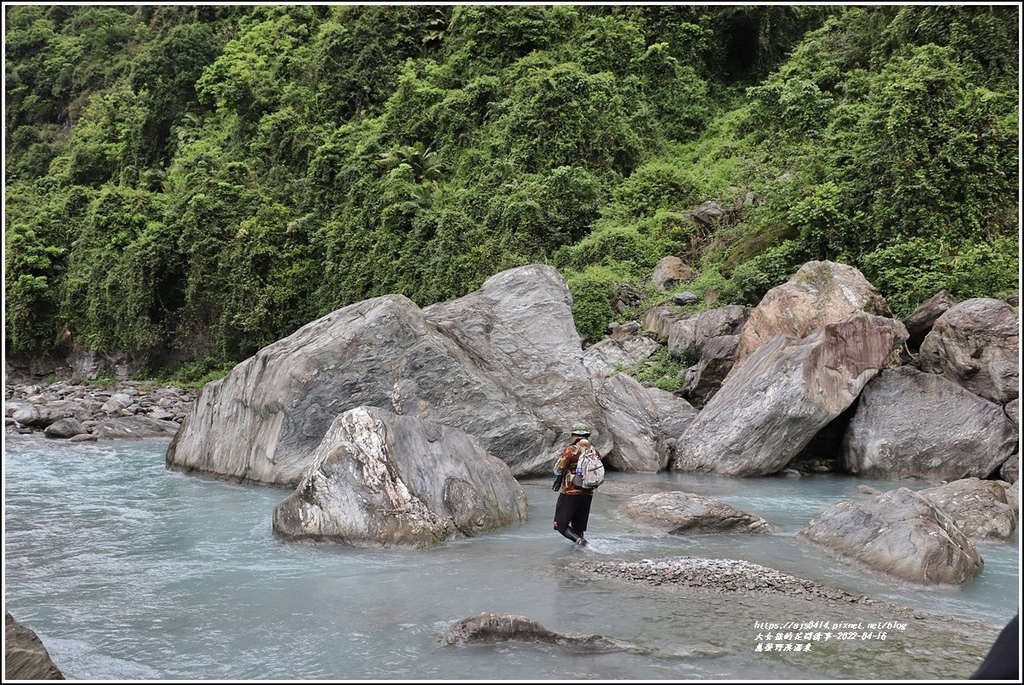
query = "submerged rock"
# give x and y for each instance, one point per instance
(489, 629)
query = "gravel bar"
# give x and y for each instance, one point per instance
(716, 575)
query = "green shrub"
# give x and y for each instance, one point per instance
(194, 375)
(658, 184)
(661, 370)
(752, 280)
(986, 269)
(907, 272)
(611, 245)
(592, 290)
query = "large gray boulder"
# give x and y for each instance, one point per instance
(381, 479)
(685, 513)
(819, 293)
(769, 408)
(899, 533)
(909, 424)
(25, 657)
(979, 507)
(632, 421)
(976, 344)
(504, 364)
(518, 329)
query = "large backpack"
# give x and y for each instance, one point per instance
(589, 469)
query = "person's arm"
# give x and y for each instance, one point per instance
(560, 465)
(563, 459)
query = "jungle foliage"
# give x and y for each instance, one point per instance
(195, 182)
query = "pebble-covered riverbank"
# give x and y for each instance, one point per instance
(80, 411)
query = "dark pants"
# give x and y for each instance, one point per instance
(571, 514)
(1003, 660)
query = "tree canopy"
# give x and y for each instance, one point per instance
(191, 183)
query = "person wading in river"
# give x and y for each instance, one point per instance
(572, 510)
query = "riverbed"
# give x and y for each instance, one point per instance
(127, 571)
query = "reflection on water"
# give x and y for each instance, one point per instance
(128, 571)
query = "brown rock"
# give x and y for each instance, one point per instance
(25, 657)
(819, 293)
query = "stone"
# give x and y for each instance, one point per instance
(504, 364)
(632, 421)
(612, 355)
(134, 427)
(65, 428)
(685, 298)
(687, 337)
(1010, 471)
(819, 293)
(703, 379)
(919, 323)
(910, 424)
(899, 533)
(489, 629)
(684, 513)
(658, 321)
(382, 479)
(670, 272)
(976, 344)
(979, 508)
(25, 657)
(768, 409)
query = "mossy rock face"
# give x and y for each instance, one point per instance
(750, 246)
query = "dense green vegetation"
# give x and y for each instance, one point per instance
(190, 183)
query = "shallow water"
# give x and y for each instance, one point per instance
(128, 571)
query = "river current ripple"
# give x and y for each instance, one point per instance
(128, 571)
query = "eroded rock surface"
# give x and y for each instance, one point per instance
(900, 533)
(769, 408)
(25, 657)
(489, 629)
(381, 479)
(682, 513)
(912, 424)
(976, 344)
